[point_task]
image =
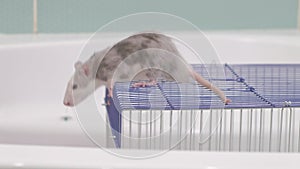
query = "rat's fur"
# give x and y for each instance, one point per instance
(100, 68)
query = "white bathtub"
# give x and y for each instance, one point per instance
(36, 68)
(37, 157)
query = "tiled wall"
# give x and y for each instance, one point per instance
(71, 16)
(16, 16)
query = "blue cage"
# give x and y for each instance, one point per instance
(263, 115)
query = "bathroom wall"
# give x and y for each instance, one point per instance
(73, 16)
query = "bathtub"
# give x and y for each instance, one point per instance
(37, 157)
(36, 68)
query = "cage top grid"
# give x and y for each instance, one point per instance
(247, 85)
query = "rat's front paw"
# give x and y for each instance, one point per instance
(226, 101)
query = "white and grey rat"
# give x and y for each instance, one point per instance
(100, 68)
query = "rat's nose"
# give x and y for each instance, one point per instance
(67, 103)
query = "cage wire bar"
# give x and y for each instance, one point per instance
(264, 115)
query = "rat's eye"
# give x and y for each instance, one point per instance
(75, 86)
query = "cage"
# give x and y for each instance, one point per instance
(262, 117)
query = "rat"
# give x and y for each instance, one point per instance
(99, 69)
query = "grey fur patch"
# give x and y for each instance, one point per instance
(120, 51)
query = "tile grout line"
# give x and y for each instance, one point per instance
(35, 18)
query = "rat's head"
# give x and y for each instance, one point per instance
(80, 85)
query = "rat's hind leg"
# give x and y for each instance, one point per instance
(146, 78)
(144, 84)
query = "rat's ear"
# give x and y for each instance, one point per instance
(78, 65)
(86, 69)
